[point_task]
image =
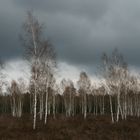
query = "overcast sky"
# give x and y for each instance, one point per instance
(80, 30)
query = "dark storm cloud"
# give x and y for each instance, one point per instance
(80, 30)
(88, 8)
(9, 30)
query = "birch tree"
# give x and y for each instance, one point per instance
(84, 84)
(39, 53)
(16, 99)
(115, 72)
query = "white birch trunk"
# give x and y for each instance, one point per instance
(35, 104)
(46, 107)
(111, 109)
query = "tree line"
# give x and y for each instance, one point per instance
(117, 96)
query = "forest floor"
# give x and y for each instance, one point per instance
(74, 128)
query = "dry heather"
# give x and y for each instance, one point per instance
(76, 128)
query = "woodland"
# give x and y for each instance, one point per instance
(45, 109)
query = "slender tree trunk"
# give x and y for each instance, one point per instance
(85, 106)
(46, 106)
(41, 106)
(111, 108)
(54, 105)
(70, 104)
(35, 104)
(119, 109)
(31, 104)
(125, 106)
(103, 105)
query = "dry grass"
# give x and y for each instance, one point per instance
(76, 128)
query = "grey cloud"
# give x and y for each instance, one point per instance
(89, 8)
(9, 30)
(80, 30)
